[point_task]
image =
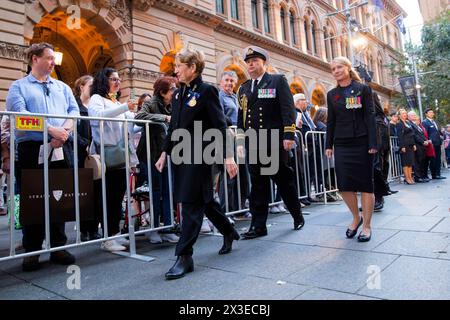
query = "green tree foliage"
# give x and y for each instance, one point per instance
(435, 56)
(432, 58)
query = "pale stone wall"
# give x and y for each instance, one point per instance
(140, 37)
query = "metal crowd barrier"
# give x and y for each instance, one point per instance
(306, 163)
(131, 230)
(395, 164)
(312, 172)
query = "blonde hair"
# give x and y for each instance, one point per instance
(192, 57)
(81, 82)
(346, 62)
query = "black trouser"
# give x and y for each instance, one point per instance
(301, 172)
(116, 185)
(260, 192)
(34, 234)
(384, 158)
(419, 159)
(435, 164)
(233, 199)
(192, 214)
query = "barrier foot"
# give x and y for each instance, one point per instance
(134, 256)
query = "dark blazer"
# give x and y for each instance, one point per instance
(382, 123)
(343, 123)
(84, 134)
(269, 106)
(433, 132)
(155, 111)
(405, 134)
(197, 103)
(393, 132)
(419, 135)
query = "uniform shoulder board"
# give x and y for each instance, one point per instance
(242, 84)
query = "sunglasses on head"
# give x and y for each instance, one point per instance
(46, 88)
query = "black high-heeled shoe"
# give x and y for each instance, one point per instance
(364, 238)
(351, 233)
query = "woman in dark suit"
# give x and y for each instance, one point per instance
(406, 144)
(195, 104)
(351, 130)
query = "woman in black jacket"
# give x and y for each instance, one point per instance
(195, 105)
(351, 130)
(157, 109)
(82, 93)
(406, 144)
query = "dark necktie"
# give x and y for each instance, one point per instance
(255, 84)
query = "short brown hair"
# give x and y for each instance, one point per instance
(192, 57)
(37, 49)
(162, 85)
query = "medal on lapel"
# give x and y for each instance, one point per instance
(353, 102)
(192, 102)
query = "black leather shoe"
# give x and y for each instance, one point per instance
(254, 233)
(299, 222)
(439, 177)
(62, 257)
(31, 263)
(364, 238)
(228, 242)
(425, 179)
(305, 202)
(418, 180)
(392, 191)
(183, 265)
(379, 204)
(351, 233)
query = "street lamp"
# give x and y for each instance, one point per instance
(58, 54)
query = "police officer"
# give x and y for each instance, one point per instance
(266, 103)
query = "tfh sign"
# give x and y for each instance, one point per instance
(29, 123)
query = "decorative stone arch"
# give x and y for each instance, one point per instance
(283, 5)
(343, 42)
(380, 62)
(310, 15)
(112, 20)
(318, 94)
(232, 58)
(331, 44)
(297, 84)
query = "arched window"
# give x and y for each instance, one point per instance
(307, 28)
(255, 17)
(344, 48)
(292, 27)
(266, 16)
(380, 71)
(234, 9)
(314, 37)
(333, 46)
(220, 8)
(283, 24)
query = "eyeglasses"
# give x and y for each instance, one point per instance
(46, 88)
(115, 79)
